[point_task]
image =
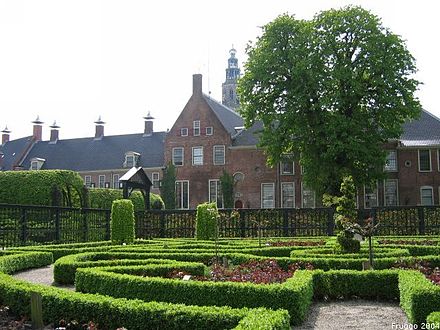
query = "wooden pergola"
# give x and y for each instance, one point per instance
(136, 178)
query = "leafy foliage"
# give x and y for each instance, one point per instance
(168, 188)
(333, 90)
(45, 187)
(122, 222)
(102, 198)
(206, 221)
(227, 184)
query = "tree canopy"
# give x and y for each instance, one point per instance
(333, 90)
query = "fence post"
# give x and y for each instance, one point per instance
(85, 225)
(23, 224)
(108, 224)
(330, 221)
(36, 311)
(162, 225)
(421, 212)
(57, 225)
(285, 223)
(242, 224)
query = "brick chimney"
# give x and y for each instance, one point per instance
(54, 133)
(99, 131)
(5, 135)
(38, 129)
(197, 84)
(148, 131)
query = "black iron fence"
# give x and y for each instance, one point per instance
(26, 225)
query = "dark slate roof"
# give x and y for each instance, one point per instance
(424, 131)
(11, 151)
(89, 154)
(249, 137)
(228, 117)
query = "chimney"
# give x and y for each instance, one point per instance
(5, 135)
(148, 131)
(54, 133)
(197, 84)
(99, 131)
(38, 129)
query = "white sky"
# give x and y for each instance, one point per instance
(72, 61)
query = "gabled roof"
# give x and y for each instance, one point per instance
(11, 151)
(424, 131)
(249, 136)
(108, 152)
(228, 117)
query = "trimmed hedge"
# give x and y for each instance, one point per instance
(15, 262)
(45, 187)
(206, 221)
(102, 198)
(418, 296)
(295, 294)
(433, 321)
(122, 222)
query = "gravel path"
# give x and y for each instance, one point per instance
(352, 314)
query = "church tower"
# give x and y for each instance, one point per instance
(229, 87)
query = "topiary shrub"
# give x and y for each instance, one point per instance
(206, 221)
(122, 222)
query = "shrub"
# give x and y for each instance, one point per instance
(122, 222)
(206, 221)
(433, 321)
(45, 187)
(102, 198)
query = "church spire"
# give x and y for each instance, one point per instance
(229, 87)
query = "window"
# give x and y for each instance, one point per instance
(196, 127)
(426, 196)
(36, 163)
(308, 197)
(197, 155)
(88, 180)
(182, 194)
(287, 194)
(219, 155)
(267, 195)
(115, 181)
(391, 161)
(390, 190)
(155, 179)
(425, 160)
(287, 168)
(238, 176)
(215, 193)
(370, 196)
(131, 159)
(184, 131)
(101, 181)
(178, 156)
(209, 130)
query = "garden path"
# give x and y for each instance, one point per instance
(340, 315)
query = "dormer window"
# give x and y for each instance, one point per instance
(131, 159)
(37, 164)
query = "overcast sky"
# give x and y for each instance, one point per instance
(73, 61)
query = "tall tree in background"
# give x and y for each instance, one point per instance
(168, 187)
(333, 90)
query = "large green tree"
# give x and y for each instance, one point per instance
(333, 90)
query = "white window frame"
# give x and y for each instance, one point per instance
(34, 165)
(101, 181)
(421, 195)
(209, 130)
(174, 156)
(115, 181)
(182, 201)
(385, 193)
(388, 168)
(88, 180)
(217, 195)
(282, 172)
(184, 131)
(303, 188)
(271, 201)
(282, 194)
(197, 160)
(133, 156)
(196, 127)
(224, 154)
(155, 179)
(377, 197)
(430, 160)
